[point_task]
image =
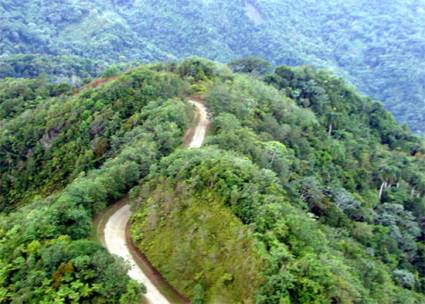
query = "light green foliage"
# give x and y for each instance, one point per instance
(194, 246)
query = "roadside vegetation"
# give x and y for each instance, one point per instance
(305, 189)
(88, 150)
(325, 187)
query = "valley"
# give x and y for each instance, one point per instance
(378, 47)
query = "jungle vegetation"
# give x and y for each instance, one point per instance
(67, 154)
(308, 190)
(316, 189)
(378, 46)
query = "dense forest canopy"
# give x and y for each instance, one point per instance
(70, 69)
(304, 187)
(377, 45)
(315, 186)
(324, 181)
(66, 154)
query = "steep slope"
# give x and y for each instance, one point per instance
(314, 188)
(305, 189)
(377, 45)
(115, 232)
(98, 143)
(66, 135)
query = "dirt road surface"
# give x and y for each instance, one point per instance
(202, 126)
(115, 228)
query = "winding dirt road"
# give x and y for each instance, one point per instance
(116, 225)
(202, 125)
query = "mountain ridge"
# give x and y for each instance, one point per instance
(321, 190)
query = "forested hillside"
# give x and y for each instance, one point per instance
(69, 69)
(305, 189)
(65, 155)
(377, 45)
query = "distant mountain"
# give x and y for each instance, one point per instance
(58, 68)
(377, 45)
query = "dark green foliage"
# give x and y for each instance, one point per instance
(197, 69)
(60, 270)
(44, 256)
(198, 297)
(64, 136)
(71, 69)
(18, 95)
(333, 196)
(377, 46)
(337, 167)
(317, 188)
(307, 263)
(250, 65)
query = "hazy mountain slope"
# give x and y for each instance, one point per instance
(82, 28)
(59, 68)
(377, 45)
